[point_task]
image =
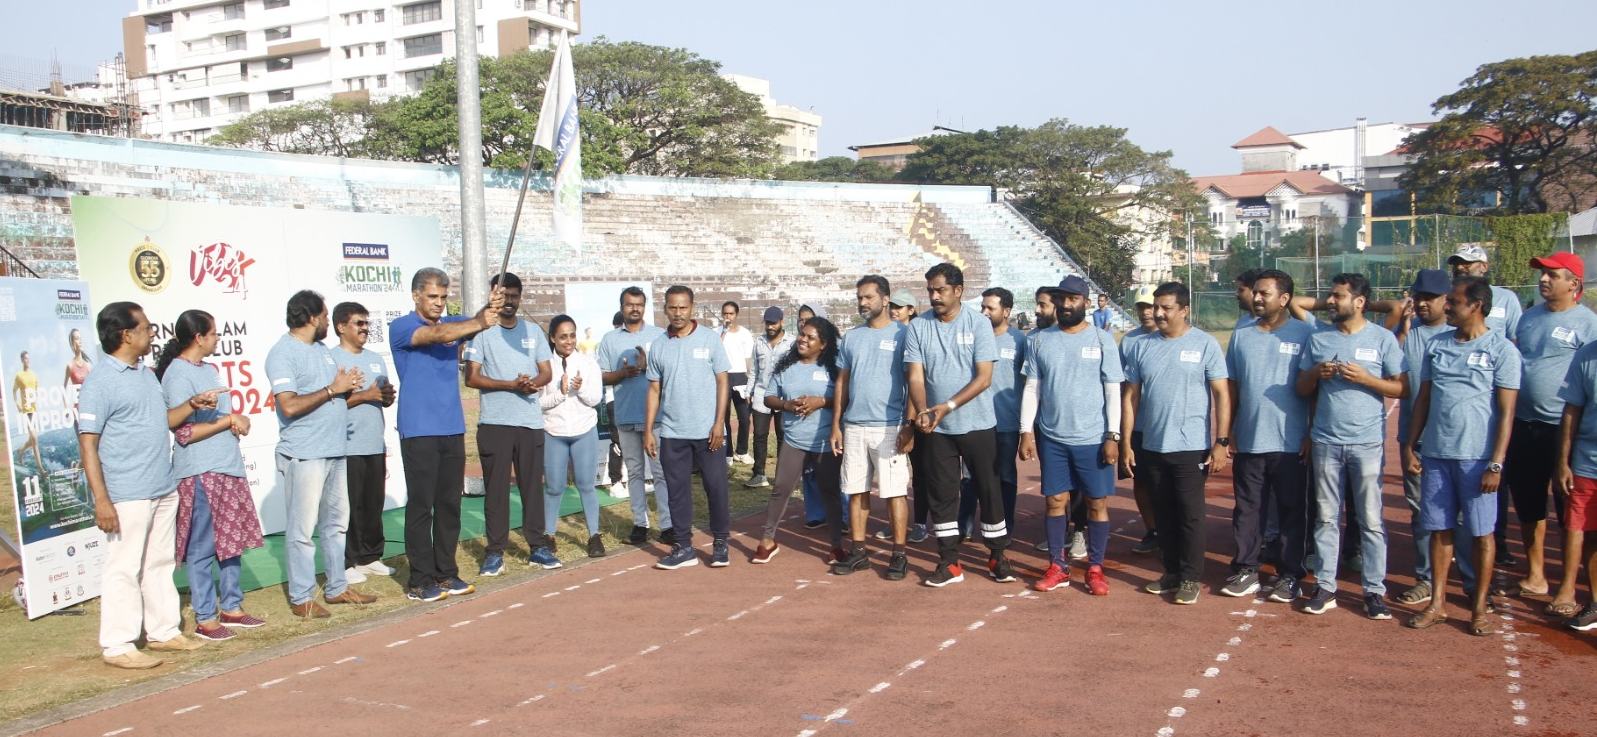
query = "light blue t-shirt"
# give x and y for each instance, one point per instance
(1580, 389)
(1175, 375)
(302, 368)
(1245, 320)
(505, 353)
(1461, 424)
(617, 350)
(812, 433)
(125, 406)
(1125, 342)
(1006, 379)
(364, 425)
(1548, 341)
(1345, 413)
(1414, 351)
(1070, 371)
(948, 353)
(429, 380)
(686, 369)
(217, 453)
(1506, 312)
(1270, 416)
(874, 358)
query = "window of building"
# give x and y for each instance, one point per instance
(273, 4)
(378, 16)
(382, 81)
(432, 43)
(414, 81)
(479, 34)
(234, 11)
(279, 33)
(238, 104)
(352, 84)
(280, 65)
(158, 23)
(422, 12)
(280, 96)
(233, 41)
(201, 107)
(382, 48)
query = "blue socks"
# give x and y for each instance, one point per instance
(1097, 541)
(1058, 530)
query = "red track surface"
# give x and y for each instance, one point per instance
(615, 647)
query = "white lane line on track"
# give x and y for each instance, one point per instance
(461, 623)
(492, 613)
(552, 593)
(1177, 712)
(516, 605)
(396, 644)
(276, 681)
(1519, 718)
(345, 660)
(596, 580)
(601, 670)
(649, 649)
(309, 671)
(186, 710)
(233, 695)
(428, 633)
(880, 687)
(115, 732)
(479, 722)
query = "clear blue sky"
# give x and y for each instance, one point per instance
(1192, 77)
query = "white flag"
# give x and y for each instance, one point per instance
(557, 132)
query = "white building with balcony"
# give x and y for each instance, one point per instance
(1273, 195)
(800, 139)
(199, 65)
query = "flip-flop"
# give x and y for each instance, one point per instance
(1561, 609)
(1426, 618)
(1482, 626)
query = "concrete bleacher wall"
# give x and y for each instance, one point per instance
(760, 242)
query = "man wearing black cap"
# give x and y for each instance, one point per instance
(775, 343)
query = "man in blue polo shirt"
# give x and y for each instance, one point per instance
(1469, 383)
(432, 429)
(949, 353)
(624, 357)
(996, 305)
(1350, 370)
(122, 438)
(1269, 439)
(687, 396)
(311, 392)
(1069, 420)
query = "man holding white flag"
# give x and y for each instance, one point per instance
(557, 132)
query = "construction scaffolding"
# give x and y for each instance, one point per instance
(102, 103)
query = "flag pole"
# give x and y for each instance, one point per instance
(510, 243)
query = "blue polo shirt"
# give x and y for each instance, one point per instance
(1548, 341)
(1071, 370)
(874, 360)
(1465, 376)
(217, 453)
(1580, 389)
(295, 366)
(1270, 416)
(429, 380)
(686, 367)
(1007, 379)
(812, 433)
(948, 353)
(364, 424)
(505, 353)
(617, 350)
(1125, 347)
(125, 406)
(1174, 374)
(1345, 413)
(1414, 352)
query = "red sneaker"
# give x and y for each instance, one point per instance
(764, 554)
(1057, 577)
(1097, 585)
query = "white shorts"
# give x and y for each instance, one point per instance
(867, 449)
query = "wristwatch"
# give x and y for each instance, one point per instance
(1223, 442)
(1112, 436)
(1494, 467)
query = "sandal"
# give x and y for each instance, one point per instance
(1561, 608)
(1482, 626)
(1419, 594)
(1426, 618)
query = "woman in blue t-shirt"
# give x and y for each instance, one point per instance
(216, 519)
(802, 387)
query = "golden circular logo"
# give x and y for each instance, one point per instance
(149, 267)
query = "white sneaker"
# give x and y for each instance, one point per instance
(376, 568)
(353, 575)
(1078, 545)
(745, 459)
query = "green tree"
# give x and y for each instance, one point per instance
(1519, 239)
(1100, 196)
(834, 169)
(1516, 137)
(331, 127)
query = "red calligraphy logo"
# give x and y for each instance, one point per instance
(221, 262)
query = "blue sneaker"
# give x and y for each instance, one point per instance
(918, 533)
(719, 556)
(429, 592)
(542, 557)
(456, 587)
(680, 556)
(492, 566)
(1322, 602)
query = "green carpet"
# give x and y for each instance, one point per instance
(264, 567)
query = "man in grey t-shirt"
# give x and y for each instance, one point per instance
(366, 459)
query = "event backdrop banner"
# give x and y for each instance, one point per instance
(46, 346)
(241, 264)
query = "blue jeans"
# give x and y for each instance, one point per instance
(814, 504)
(317, 493)
(1359, 468)
(200, 556)
(580, 452)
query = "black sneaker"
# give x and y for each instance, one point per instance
(1241, 583)
(1286, 590)
(720, 556)
(813, 523)
(1167, 582)
(1001, 571)
(1506, 559)
(1585, 620)
(668, 536)
(856, 560)
(1188, 593)
(595, 546)
(946, 573)
(1375, 607)
(1322, 601)
(639, 536)
(1148, 543)
(898, 567)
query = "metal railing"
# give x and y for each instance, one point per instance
(1122, 317)
(10, 265)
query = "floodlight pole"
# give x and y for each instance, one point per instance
(473, 209)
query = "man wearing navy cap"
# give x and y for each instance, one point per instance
(766, 352)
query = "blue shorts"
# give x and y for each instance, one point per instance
(1450, 487)
(1067, 468)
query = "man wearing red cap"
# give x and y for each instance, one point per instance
(1548, 336)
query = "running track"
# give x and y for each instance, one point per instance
(614, 647)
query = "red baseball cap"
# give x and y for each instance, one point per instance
(1561, 260)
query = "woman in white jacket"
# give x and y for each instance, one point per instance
(571, 436)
